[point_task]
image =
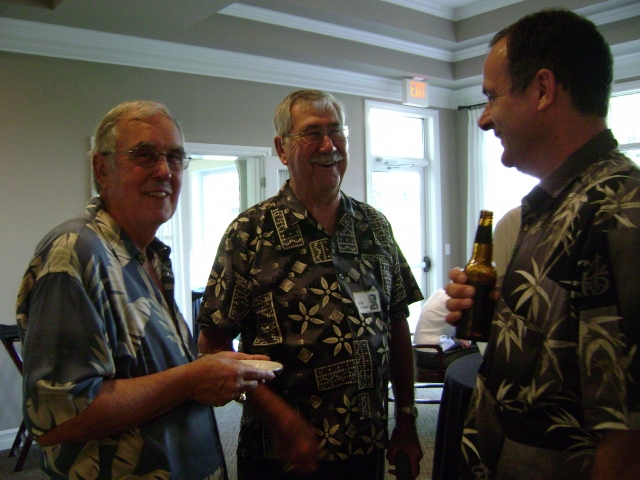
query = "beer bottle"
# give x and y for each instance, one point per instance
(475, 323)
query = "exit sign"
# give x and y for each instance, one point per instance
(414, 92)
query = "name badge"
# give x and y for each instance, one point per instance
(367, 302)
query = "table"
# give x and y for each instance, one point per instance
(459, 383)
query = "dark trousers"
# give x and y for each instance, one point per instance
(359, 467)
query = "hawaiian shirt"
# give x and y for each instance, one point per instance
(319, 304)
(87, 312)
(562, 364)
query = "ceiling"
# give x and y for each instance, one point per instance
(364, 47)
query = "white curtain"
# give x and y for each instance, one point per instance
(171, 234)
(476, 175)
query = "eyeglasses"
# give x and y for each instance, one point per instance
(147, 157)
(315, 135)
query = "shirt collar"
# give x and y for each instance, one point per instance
(295, 210)
(118, 238)
(578, 162)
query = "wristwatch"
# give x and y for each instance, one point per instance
(411, 410)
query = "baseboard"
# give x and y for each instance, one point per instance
(7, 437)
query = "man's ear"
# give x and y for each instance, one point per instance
(278, 142)
(547, 88)
(101, 168)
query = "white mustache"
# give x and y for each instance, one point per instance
(327, 158)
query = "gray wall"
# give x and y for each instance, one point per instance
(49, 109)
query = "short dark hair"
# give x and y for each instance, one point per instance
(571, 47)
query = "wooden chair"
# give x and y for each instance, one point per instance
(429, 377)
(21, 445)
(426, 377)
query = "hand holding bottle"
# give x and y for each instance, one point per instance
(474, 322)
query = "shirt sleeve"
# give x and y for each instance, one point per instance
(609, 311)
(67, 355)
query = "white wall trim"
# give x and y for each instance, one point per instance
(87, 45)
(7, 437)
(79, 44)
(610, 16)
(626, 87)
(459, 13)
(287, 20)
(235, 150)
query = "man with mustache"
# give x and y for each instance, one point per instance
(314, 279)
(113, 387)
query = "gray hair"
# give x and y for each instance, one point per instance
(106, 136)
(323, 101)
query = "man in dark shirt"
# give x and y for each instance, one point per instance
(558, 392)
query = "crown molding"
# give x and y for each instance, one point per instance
(426, 7)
(79, 44)
(626, 66)
(453, 14)
(34, 38)
(469, 11)
(612, 15)
(273, 17)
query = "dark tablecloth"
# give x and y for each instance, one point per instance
(459, 382)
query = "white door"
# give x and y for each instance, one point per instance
(403, 169)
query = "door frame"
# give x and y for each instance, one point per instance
(432, 201)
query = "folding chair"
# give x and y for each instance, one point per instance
(22, 443)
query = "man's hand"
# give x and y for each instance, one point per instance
(461, 295)
(617, 456)
(219, 378)
(405, 437)
(296, 444)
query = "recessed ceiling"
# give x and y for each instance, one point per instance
(363, 47)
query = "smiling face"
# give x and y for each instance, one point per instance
(511, 117)
(316, 171)
(140, 199)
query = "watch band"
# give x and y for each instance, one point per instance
(410, 409)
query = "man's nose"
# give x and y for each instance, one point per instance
(326, 144)
(161, 168)
(485, 122)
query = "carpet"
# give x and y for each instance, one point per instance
(229, 424)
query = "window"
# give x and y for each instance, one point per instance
(215, 202)
(504, 187)
(491, 185)
(221, 181)
(625, 123)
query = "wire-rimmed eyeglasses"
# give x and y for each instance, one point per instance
(147, 157)
(314, 136)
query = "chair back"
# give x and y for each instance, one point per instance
(430, 375)
(10, 336)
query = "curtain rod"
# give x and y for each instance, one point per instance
(471, 107)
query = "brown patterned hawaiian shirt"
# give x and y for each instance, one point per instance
(319, 304)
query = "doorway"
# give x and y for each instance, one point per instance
(402, 182)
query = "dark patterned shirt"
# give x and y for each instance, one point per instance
(321, 305)
(562, 364)
(89, 312)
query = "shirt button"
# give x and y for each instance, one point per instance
(341, 276)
